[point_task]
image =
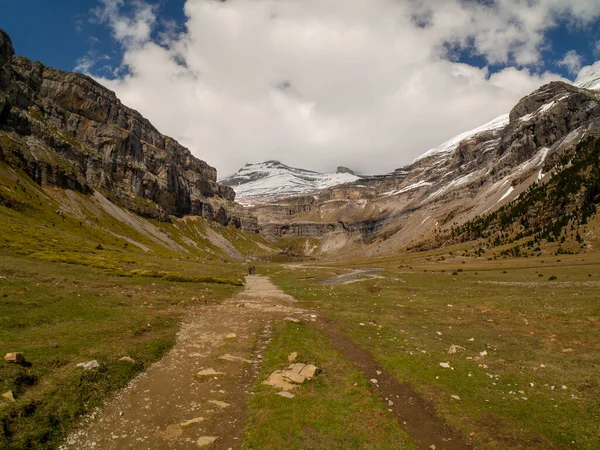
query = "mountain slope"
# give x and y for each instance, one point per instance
(64, 129)
(469, 176)
(272, 179)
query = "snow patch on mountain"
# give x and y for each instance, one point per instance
(589, 77)
(274, 179)
(449, 146)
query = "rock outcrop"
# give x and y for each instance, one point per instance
(65, 129)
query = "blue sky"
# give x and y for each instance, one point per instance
(369, 84)
(59, 33)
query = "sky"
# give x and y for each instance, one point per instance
(367, 84)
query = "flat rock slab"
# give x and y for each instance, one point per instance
(205, 441)
(220, 404)
(286, 394)
(210, 372)
(193, 421)
(231, 358)
(288, 379)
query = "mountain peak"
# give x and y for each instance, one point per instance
(589, 77)
(275, 179)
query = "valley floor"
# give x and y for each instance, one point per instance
(464, 353)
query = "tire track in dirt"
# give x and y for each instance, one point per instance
(414, 414)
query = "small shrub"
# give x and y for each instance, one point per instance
(552, 278)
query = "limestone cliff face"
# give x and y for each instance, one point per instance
(67, 130)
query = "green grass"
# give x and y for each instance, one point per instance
(334, 410)
(522, 320)
(58, 315)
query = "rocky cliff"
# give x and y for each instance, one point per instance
(65, 129)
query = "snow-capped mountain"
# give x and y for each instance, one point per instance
(589, 77)
(452, 144)
(472, 174)
(274, 179)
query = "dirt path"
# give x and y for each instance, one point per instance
(151, 413)
(170, 406)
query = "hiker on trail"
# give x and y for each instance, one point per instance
(251, 270)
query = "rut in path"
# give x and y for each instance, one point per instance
(148, 413)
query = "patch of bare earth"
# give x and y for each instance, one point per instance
(196, 396)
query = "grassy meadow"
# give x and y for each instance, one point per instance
(525, 334)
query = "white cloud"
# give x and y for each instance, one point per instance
(364, 83)
(597, 49)
(572, 61)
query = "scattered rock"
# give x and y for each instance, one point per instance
(286, 394)
(452, 349)
(3, 278)
(206, 440)
(127, 359)
(53, 345)
(294, 374)
(210, 372)
(445, 365)
(228, 357)
(90, 365)
(483, 353)
(15, 358)
(455, 397)
(187, 423)
(309, 371)
(292, 319)
(8, 395)
(432, 447)
(219, 403)
(277, 380)
(231, 336)
(373, 380)
(292, 356)
(567, 350)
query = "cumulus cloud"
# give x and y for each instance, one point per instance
(572, 61)
(370, 84)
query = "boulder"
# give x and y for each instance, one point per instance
(15, 358)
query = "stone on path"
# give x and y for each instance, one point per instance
(187, 423)
(210, 372)
(16, 358)
(219, 403)
(206, 440)
(231, 336)
(228, 357)
(291, 319)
